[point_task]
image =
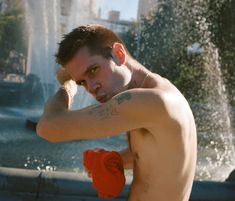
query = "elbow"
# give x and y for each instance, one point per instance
(44, 131)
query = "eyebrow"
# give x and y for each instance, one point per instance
(87, 71)
(89, 68)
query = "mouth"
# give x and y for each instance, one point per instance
(101, 99)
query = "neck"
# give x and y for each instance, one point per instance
(139, 73)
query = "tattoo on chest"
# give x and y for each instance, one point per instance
(104, 112)
(123, 97)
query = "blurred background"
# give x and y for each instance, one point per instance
(190, 42)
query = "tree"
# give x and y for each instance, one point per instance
(191, 42)
(163, 38)
(223, 34)
(12, 37)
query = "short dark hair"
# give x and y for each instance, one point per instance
(97, 38)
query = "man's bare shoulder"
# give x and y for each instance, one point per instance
(141, 98)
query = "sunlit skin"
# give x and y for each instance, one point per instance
(100, 77)
(157, 118)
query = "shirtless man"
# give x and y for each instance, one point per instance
(160, 124)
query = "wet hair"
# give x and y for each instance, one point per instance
(97, 38)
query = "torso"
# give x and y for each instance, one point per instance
(165, 155)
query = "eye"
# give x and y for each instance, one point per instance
(81, 83)
(94, 70)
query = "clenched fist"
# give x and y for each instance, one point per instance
(62, 75)
(67, 84)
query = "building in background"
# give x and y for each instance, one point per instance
(145, 7)
(113, 22)
(114, 15)
(120, 26)
(65, 9)
(74, 13)
(78, 12)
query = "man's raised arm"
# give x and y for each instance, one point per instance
(124, 112)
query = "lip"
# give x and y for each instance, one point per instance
(101, 99)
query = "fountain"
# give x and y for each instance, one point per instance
(45, 22)
(42, 20)
(181, 32)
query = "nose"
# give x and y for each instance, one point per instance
(92, 86)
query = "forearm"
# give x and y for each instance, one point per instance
(62, 100)
(54, 111)
(127, 158)
(57, 103)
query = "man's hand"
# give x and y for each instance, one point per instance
(88, 172)
(127, 158)
(106, 169)
(67, 84)
(62, 75)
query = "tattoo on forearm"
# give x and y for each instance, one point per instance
(104, 112)
(124, 97)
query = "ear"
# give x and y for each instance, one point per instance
(119, 53)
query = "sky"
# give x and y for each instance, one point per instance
(128, 8)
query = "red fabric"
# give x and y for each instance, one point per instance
(107, 172)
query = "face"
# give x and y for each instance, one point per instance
(101, 77)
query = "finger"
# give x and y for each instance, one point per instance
(89, 175)
(62, 75)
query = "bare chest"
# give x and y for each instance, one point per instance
(140, 142)
(135, 137)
